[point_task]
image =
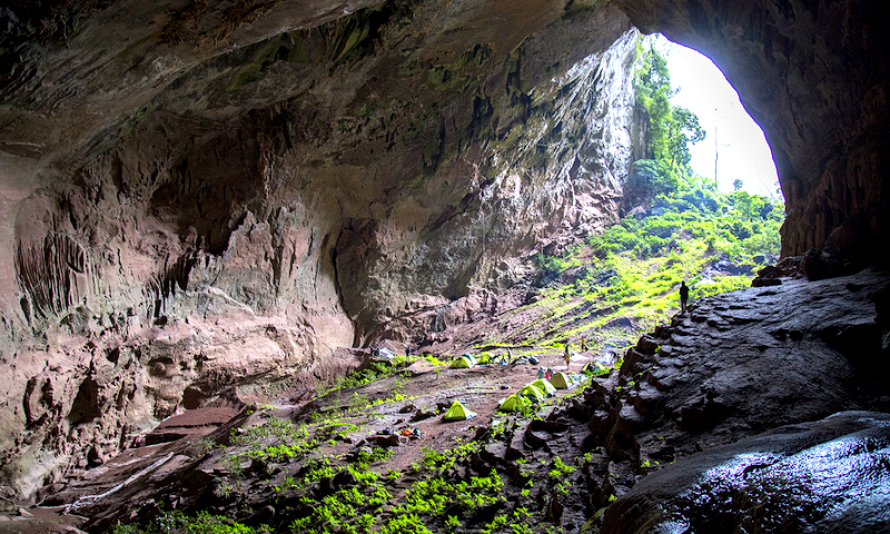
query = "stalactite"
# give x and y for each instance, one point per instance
(165, 284)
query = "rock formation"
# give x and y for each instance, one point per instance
(825, 476)
(745, 362)
(743, 394)
(202, 194)
(724, 419)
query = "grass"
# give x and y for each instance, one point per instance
(443, 494)
(630, 273)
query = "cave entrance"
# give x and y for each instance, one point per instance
(735, 147)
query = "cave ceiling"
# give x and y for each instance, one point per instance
(195, 193)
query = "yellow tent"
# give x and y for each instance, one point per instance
(462, 363)
(562, 381)
(514, 402)
(457, 412)
(532, 393)
(545, 387)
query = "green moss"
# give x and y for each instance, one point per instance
(202, 523)
(459, 75)
(298, 53)
(352, 41)
(409, 67)
(262, 59)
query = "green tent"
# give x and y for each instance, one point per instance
(532, 393)
(462, 363)
(514, 402)
(457, 412)
(546, 387)
(594, 368)
(485, 358)
(562, 381)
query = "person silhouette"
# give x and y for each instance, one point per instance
(684, 296)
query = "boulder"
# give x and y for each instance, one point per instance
(830, 475)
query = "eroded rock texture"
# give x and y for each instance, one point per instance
(743, 363)
(199, 194)
(824, 476)
(727, 419)
(204, 195)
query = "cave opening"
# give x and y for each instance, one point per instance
(735, 152)
(282, 225)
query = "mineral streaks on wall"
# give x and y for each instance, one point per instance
(256, 195)
(56, 274)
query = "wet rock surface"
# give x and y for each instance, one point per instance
(737, 415)
(743, 362)
(737, 365)
(831, 475)
(199, 196)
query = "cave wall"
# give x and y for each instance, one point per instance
(194, 195)
(198, 196)
(814, 74)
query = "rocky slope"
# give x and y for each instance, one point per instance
(726, 418)
(269, 182)
(202, 194)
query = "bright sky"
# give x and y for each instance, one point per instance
(741, 148)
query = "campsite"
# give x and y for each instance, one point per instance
(369, 446)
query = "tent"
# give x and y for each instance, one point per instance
(545, 387)
(594, 368)
(532, 393)
(462, 362)
(514, 402)
(457, 412)
(562, 381)
(485, 358)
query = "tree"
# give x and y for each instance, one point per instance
(684, 129)
(738, 184)
(672, 128)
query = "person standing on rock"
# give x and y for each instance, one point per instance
(684, 296)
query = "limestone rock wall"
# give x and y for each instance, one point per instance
(200, 196)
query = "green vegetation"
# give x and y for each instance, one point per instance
(680, 227)
(323, 477)
(202, 523)
(377, 370)
(672, 129)
(328, 494)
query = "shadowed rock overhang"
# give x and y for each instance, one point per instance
(196, 195)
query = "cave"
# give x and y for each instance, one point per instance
(226, 194)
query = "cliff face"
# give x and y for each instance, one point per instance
(198, 196)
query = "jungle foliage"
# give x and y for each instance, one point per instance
(679, 226)
(671, 130)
